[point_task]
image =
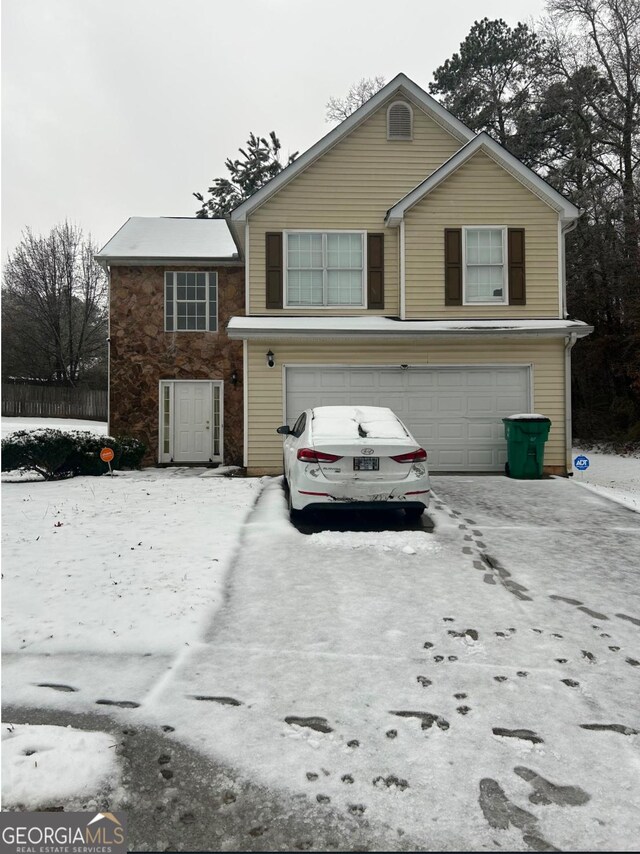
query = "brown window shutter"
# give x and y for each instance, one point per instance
(453, 266)
(274, 269)
(375, 270)
(517, 284)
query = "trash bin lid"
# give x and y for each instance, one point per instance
(527, 416)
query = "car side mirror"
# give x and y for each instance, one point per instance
(284, 430)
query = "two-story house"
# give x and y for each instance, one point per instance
(401, 261)
(405, 261)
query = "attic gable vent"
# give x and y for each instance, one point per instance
(400, 121)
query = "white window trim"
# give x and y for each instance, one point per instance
(175, 300)
(505, 265)
(171, 384)
(400, 138)
(324, 306)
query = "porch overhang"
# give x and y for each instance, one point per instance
(392, 329)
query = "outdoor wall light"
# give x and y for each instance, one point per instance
(271, 359)
(234, 377)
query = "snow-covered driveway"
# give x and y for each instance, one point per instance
(471, 688)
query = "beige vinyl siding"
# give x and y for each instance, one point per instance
(480, 193)
(265, 385)
(351, 187)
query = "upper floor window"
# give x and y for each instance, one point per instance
(400, 121)
(324, 268)
(484, 253)
(191, 302)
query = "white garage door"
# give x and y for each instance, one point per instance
(455, 413)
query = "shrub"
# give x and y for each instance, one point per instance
(85, 457)
(56, 454)
(42, 451)
(133, 451)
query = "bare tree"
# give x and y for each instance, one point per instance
(604, 35)
(54, 307)
(338, 109)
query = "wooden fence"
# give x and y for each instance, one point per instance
(34, 401)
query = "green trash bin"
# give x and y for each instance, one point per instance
(526, 436)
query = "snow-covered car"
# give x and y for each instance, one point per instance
(354, 457)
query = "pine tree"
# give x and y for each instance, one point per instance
(258, 164)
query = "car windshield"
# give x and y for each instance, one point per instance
(356, 422)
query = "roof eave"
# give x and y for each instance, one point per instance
(336, 334)
(146, 260)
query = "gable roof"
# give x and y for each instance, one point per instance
(155, 238)
(400, 85)
(483, 142)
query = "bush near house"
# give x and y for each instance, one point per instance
(57, 454)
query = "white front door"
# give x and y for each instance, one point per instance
(191, 421)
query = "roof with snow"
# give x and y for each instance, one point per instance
(144, 238)
(388, 327)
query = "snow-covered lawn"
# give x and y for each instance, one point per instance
(106, 579)
(612, 475)
(45, 765)
(10, 425)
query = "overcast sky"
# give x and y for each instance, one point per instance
(118, 108)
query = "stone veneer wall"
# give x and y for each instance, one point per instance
(142, 354)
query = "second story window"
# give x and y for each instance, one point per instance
(324, 268)
(484, 265)
(191, 302)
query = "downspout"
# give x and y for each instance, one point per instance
(245, 402)
(570, 340)
(568, 346)
(402, 273)
(105, 266)
(563, 266)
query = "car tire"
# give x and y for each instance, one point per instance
(507, 470)
(413, 513)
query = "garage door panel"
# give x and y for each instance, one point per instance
(481, 430)
(450, 459)
(448, 405)
(480, 405)
(421, 381)
(449, 379)
(482, 458)
(480, 379)
(455, 413)
(450, 430)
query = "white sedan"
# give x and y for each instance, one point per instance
(350, 457)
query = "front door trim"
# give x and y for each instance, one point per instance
(166, 422)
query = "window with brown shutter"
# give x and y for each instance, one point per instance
(453, 266)
(517, 283)
(375, 271)
(273, 274)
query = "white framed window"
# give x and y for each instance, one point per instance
(399, 121)
(484, 252)
(324, 268)
(191, 302)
